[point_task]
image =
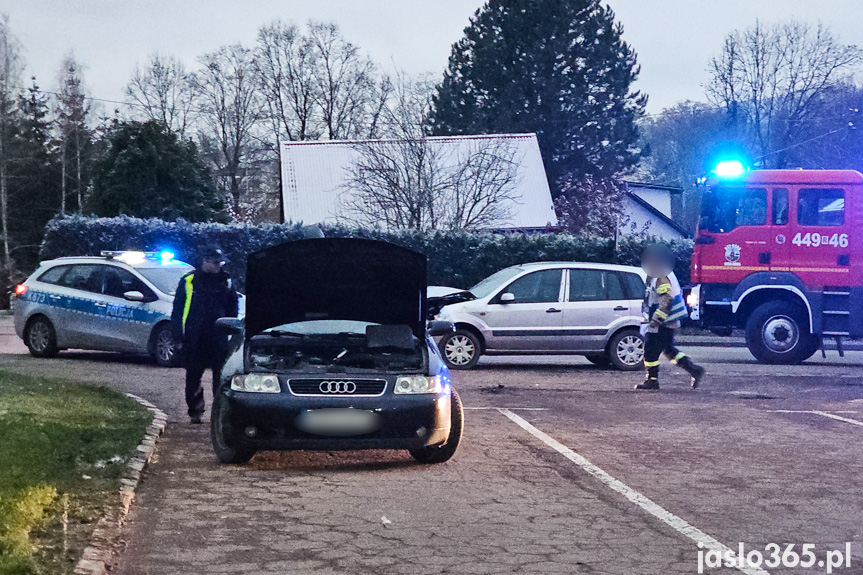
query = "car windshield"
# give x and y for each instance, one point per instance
(166, 278)
(726, 208)
(494, 281)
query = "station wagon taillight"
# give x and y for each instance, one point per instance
(20, 290)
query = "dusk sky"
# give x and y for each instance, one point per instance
(674, 38)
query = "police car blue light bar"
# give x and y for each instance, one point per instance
(133, 257)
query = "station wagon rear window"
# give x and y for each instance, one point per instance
(594, 285)
(821, 207)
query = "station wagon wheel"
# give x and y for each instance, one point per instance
(164, 348)
(461, 349)
(40, 337)
(626, 350)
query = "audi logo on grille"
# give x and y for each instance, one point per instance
(337, 387)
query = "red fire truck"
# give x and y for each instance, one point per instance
(779, 253)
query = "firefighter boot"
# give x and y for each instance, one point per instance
(648, 384)
(651, 380)
(696, 372)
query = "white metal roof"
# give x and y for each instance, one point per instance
(314, 175)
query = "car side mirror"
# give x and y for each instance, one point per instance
(230, 324)
(507, 298)
(437, 327)
(134, 296)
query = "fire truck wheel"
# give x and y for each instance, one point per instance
(778, 333)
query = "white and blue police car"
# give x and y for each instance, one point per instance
(119, 301)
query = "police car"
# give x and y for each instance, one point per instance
(120, 302)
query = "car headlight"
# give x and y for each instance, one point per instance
(256, 383)
(418, 384)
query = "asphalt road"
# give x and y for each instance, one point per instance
(563, 469)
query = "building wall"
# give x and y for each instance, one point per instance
(314, 176)
(659, 199)
(639, 217)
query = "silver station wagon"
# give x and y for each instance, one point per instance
(120, 301)
(551, 308)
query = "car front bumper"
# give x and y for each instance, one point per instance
(266, 421)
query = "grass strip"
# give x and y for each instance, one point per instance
(63, 450)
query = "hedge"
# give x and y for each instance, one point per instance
(457, 259)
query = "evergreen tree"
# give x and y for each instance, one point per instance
(148, 172)
(555, 67)
(34, 177)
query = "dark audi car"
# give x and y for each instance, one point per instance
(335, 353)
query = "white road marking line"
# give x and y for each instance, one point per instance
(826, 414)
(515, 408)
(670, 519)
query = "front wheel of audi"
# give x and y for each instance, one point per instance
(222, 434)
(442, 453)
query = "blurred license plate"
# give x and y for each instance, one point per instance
(338, 422)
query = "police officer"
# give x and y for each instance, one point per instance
(203, 296)
(663, 307)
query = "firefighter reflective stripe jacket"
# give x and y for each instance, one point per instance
(664, 301)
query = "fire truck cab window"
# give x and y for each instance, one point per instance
(780, 207)
(821, 207)
(728, 208)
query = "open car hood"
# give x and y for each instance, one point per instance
(440, 296)
(336, 278)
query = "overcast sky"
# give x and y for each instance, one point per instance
(674, 38)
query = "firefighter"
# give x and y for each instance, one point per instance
(202, 297)
(663, 308)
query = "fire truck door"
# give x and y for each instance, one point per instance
(779, 229)
(819, 246)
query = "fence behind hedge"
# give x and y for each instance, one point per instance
(457, 259)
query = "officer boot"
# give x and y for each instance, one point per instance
(651, 379)
(696, 372)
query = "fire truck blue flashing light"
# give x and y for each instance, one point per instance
(729, 169)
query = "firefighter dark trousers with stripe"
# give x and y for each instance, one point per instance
(662, 342)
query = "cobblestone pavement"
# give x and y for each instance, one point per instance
(745, 459)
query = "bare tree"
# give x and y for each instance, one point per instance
(72, 114)
(406, 111)
(481, 185)
(231, 110)
(413, 182)
(428, 183)
(11, 66)
(164, 91)
(284, 66)
(345, 83)
(773, 78)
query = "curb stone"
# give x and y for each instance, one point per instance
(96, 558)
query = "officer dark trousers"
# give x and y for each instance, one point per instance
(199, 360)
